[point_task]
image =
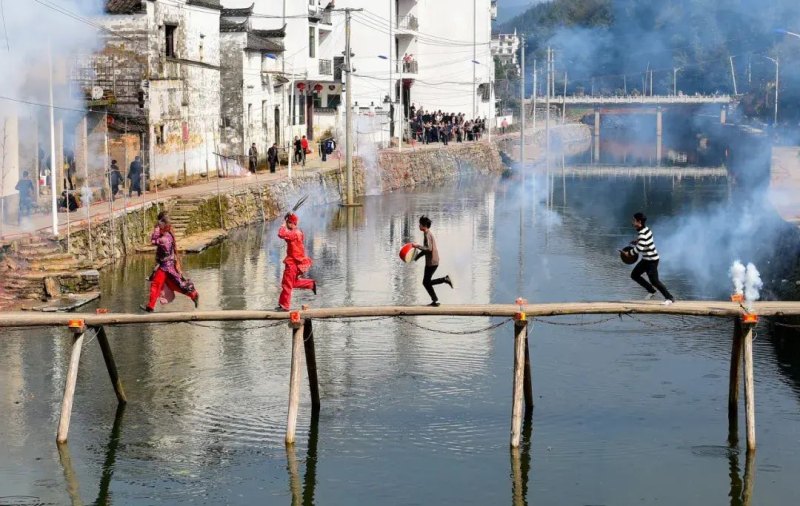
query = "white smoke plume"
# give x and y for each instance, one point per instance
(752, 285)
(86, 195)
(369, 137)
(738, 273)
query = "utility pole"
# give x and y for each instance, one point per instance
(564, 108)
(547, 102)
(535, 91)
(350, 200)
(522, 105)
(733, 76)
(53, 162)
(475, 57)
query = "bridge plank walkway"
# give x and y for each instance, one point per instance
(687, 308)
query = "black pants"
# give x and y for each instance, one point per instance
(272, 165)
(650, 267)
(428, 283)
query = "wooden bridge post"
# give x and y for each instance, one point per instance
(749, 387)
(108, 357)
(69, 387)
(528, 379)
(520, 331)
(294, 381)
(311, 365)
(733, 384)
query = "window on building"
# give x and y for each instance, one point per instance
(312, 42)
(169, 38)
(301, 109)
(249, 114)
(159, 130)
(334, 101)
(226, 122)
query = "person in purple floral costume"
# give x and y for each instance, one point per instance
(167, 277)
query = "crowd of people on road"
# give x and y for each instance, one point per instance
(444, 127)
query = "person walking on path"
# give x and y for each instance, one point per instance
(296, 263)
(114, 179)
(272, 157)
(253, 158)
(135, 175)
(646, 247)
(429, 250)
(26, 195)
(167, 277)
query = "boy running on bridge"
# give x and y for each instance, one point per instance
(429, 250)
(646, 246)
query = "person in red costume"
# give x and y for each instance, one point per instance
(296, 263)
(167, 277)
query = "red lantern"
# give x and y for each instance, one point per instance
(317, 88)
(301, 86)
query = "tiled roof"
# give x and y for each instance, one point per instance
(211, 4)
(124, 6)
(275, 34)
(226, 25)
(237, 13)
(257, 43)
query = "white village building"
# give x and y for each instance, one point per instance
(505, 47)
(439, 49)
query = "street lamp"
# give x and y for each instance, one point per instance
(776, 61)
(675, 71)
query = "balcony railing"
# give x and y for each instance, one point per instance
(408, 66)
(325, 68)
(409, 22)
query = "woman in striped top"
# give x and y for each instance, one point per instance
(646, 247)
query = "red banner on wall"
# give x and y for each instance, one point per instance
(185, 131)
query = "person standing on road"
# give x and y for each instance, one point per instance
(304, 147)
(253, 158)
(272, 158)
(296, 264)
(298, 150)
(27, 194)
(114, 179)
(429, 250)
(646, 247)
(135, 175)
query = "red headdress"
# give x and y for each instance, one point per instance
(292, 218)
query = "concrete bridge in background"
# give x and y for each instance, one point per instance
(628, 105)
(662, 100)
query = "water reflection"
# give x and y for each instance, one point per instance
(521, 464)
(741, 493)
(70, 477)
(303, 492)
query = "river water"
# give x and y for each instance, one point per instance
(414, 410)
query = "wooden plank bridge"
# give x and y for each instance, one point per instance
(302, 335)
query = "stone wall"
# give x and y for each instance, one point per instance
(271, 199)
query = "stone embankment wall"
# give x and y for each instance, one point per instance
(256, 202)
(573, 139)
